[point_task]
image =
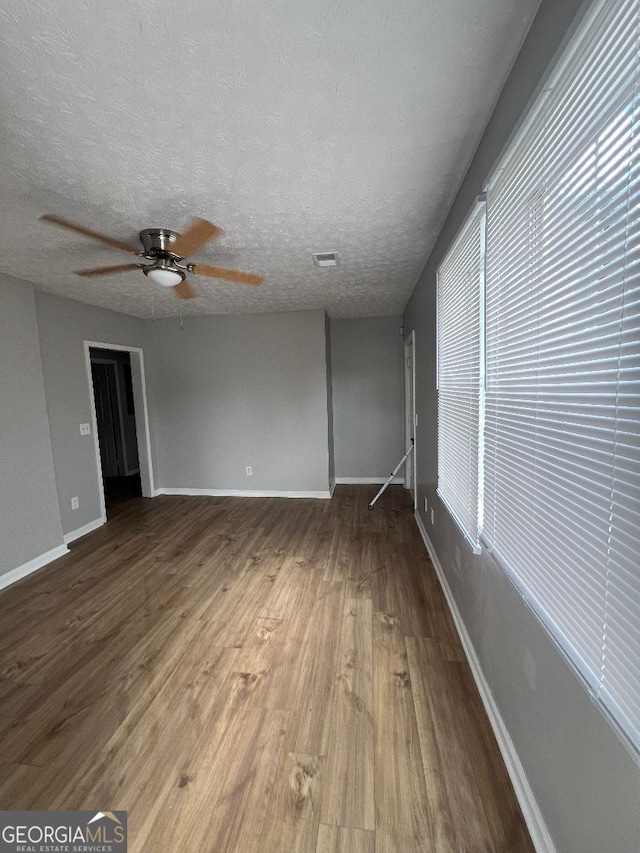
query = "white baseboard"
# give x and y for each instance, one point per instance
(82, 531)
(332, 487)
(32, 566)
(534, 819)
(367, 481)
(242, 493)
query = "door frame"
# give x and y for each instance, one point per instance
(143, 432)
(409, 372)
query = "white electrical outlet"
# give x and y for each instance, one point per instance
(426, 505)
(433, 521)
(75, 503)
(249, 471)
(85, 429)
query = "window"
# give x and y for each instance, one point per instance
(561, 502)
(459, 308)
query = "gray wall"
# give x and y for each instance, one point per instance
(231, 391)
(29, 516)
(368, 396)
(64, 325)
(585, 783)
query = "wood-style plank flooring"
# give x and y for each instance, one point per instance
(252, 676)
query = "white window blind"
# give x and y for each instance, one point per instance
(460, 279)
(561, 509)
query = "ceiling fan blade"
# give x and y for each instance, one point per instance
(199, 232)
(86, 232)
(184, 290)
(227, 275)
(109, 270)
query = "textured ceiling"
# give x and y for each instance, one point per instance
(298, 126)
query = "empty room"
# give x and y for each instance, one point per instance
(320, 520)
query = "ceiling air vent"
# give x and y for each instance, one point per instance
(325, 259)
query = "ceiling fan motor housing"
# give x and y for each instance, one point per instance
(157, 243)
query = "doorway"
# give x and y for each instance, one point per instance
(410, 418)
(120, 424)
(116, 424)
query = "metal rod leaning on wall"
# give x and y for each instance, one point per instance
(395, 471)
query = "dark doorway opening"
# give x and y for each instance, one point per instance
(116, 425)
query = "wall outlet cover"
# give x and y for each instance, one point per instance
(75, 503)
(85, 429)
(249, 471)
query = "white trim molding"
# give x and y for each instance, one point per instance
(82, 531)
(534, 819)
(242, 493)
(367, 481)
(32, 566)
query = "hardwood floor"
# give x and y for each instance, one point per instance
(252, 676)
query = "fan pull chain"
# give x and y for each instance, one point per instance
(181, 326)
(153, 307)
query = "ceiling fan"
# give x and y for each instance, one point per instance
(166, 250)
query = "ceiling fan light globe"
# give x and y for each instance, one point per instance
(164, 277)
